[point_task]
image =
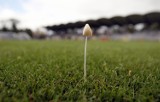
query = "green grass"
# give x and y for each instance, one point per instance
(53, 71)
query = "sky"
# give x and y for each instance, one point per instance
(37, 13)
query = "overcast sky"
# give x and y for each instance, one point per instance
(37, 13)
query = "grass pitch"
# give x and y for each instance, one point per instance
(53, 71)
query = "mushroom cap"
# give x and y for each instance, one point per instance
(87, 31)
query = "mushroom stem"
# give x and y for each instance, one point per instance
(85, 54)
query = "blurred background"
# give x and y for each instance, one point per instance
(64, 19)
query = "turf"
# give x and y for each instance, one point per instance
(39, 71)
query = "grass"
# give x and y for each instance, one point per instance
(53, 71)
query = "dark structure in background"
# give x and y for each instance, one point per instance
(105, 28)
(150, 21)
